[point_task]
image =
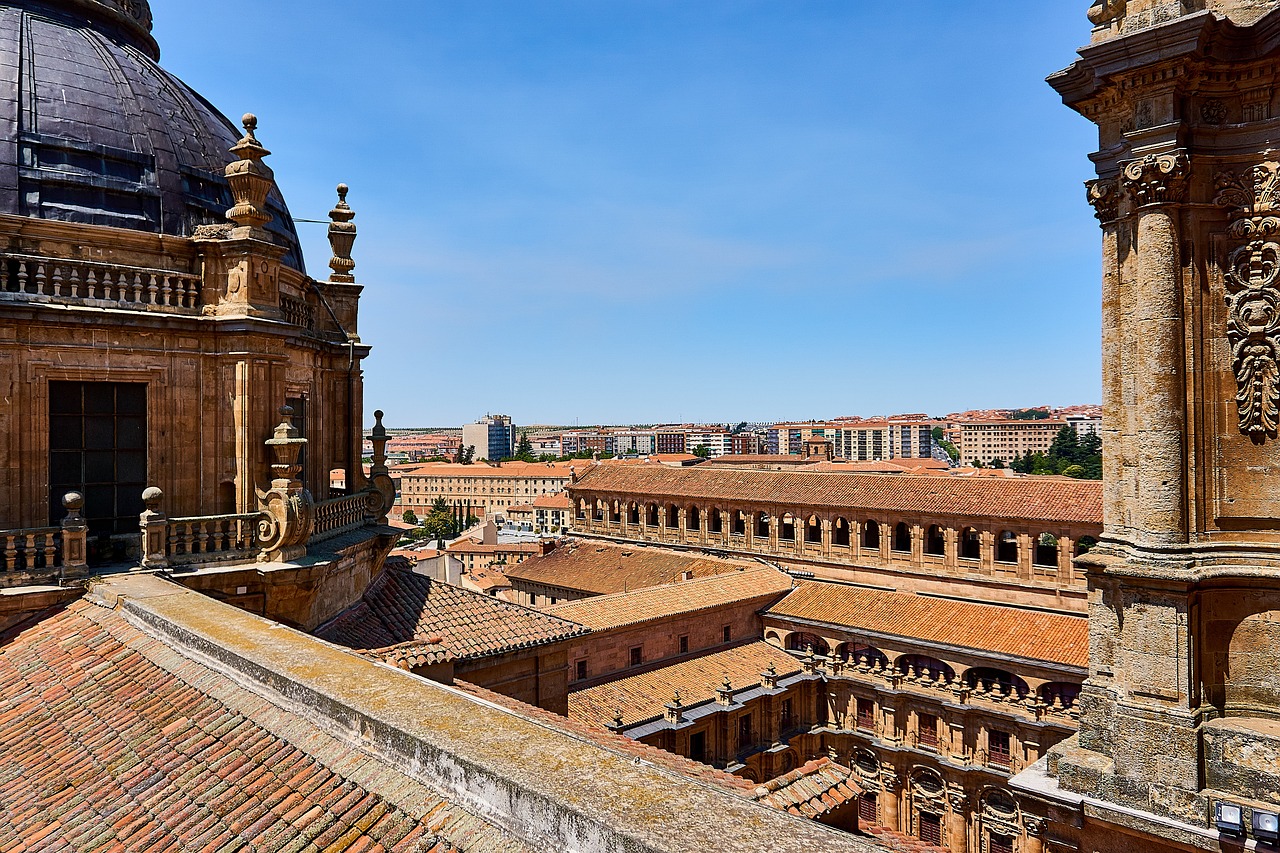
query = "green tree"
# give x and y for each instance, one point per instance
(409, 517)
(939, 433)
(997, 463)
(1076, 471)
(524, 449)
(1066, 446)
(702, 451)
(439, 526)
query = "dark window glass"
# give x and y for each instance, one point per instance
(684, 644)
(636, 656)
(930, 828)
(581, 670)
(927, 727)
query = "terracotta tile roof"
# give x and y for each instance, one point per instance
(763, 584)
(601, 568)
(409, 620)
(1052, 637)
(642, 696)
(536, 470)
(111, 740)
(1023, 498)
(557, 501)
(811, 790)
(616, 742)
(487, 579)
(468, 546)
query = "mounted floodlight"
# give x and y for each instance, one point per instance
(1229, 818)
(1266, 826)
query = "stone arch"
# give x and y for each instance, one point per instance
(924, 668)
(580, 508)
(651, 514)
(935, 541)
(1058, 696)
(869, 657)
(615, 511)
(1044, 551)
(1007, 547)
(715, 520)
(693, 517)
(901, 538)
(1085, 544)
(995, 683)
(787, 528)
(598, 509)
(673, 516)
(800, 641)
(787, 761)
(762, 522)
(840, 532)
(871, 535)
(737, 522)
(813, 530)
(772, 637)
(1241, 633)
(970, 544)
(633, 513)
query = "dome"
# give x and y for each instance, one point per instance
(96, 132)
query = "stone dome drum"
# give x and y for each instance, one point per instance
(94, 131)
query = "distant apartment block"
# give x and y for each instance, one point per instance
(487, 489)
(856, 439)
(493, 437)
(984, 441)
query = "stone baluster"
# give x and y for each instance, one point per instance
(91, 284)
(40, 279)
(10, 552)
(22, 276)
(155, 530)
(153, 290)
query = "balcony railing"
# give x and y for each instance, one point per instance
(212, 538)
(39, 278)
(339, 515)
(32, 551)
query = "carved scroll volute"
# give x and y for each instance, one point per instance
(1104, 195)
(382, 489)
(1156, 179)
(1253, 301)
(283, 534)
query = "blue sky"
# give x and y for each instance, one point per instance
(616, 211)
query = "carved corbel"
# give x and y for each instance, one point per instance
(1104, 195)
(1253, 301)
(1156, 179)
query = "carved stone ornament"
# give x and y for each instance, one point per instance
(250, 179)
(1253, 301)
(1156, 179)
(342, 236)
(1213, 111)
(1104, 195)
(1035, 826)
(288, 507)
(1104, 12)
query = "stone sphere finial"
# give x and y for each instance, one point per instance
(73, 501)
(151, 496)
(249, 122)
(343, 189)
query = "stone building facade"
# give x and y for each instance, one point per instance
(1177, 747)
(1008, 540)
(486, 489)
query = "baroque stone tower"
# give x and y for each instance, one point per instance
(1182, 708)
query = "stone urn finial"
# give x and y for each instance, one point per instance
(250, 179)
(342, 236)
(287, 506)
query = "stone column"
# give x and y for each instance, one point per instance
(890, 786)
(1066, 548)
(957, 822)
(1025, 555)
(1155, 185)
(682, 522)
(886, 541)
(826, 537)
(774, 523)
(917, 545)
(1035, 827)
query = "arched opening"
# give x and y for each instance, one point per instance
(651, 515)
(633, 513)
(813, 530)
(580, 509)
(762, 525)
(673, 516)
(991, 683)
(615, 512)
(1006, 547)
(935, 544)
(715, 522)
(738, 523)
(871, 535)
(1058, 696)
(902, 538)
(801, 641)
(1045, 552)
(787, 529)
(840, 532)
(925, 670)
(970, 544)
(772, 637)
(693, 518)
(1085, 544)
(867, 659)
(597, 511)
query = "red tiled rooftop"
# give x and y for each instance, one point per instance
(111, 740)
(811, 790)
(1040, 499)
(410, 620)
(600, 568)
(1052, 637)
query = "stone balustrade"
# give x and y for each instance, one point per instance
(98, 284)
(212, 538)
(46, 554)
(339, 515)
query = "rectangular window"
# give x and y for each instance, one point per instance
(786, 720)
(998, 748)
(866, 714)
(637, 655)
(698, 746)
(999, 844)
(867, 810)
(744, 731)
(927, 730)
(931, 829)
(98, 447)
(580, 670)
(684, 643)
(728, 633)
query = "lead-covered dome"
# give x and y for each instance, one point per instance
(96, 132)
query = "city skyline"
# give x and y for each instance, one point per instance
(727, 208)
